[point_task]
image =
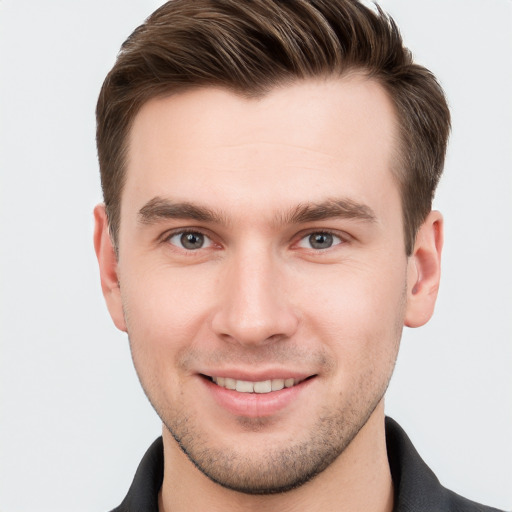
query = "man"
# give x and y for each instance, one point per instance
(268, 171)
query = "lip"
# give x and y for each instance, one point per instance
(256, 405)
(255, 376)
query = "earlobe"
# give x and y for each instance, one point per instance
(424, 271)
(108, 265)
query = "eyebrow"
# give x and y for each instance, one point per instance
(158, 209)
(329, 209)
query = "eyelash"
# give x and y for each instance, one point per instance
(169, 236)
(342, 239)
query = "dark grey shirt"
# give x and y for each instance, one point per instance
(416, 487)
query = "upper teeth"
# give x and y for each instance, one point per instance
(245, 386)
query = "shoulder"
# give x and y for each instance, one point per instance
(143, 493)
(417, 488)
(458, 503)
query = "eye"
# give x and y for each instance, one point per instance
(190, 240)
(320, 240)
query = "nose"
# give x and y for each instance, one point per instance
(254, 306)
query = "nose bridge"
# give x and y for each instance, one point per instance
(253, 306)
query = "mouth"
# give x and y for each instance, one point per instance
(259, 387)
(265, 396)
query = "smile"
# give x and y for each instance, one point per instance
(257, 398)
(264, 386)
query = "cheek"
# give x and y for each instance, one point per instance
(164, 301)
(359, 311)
(163, 318)
(165, 312)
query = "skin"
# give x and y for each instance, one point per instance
(258, 299)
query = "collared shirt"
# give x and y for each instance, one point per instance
(417, 489)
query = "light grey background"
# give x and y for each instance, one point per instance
(73, 421)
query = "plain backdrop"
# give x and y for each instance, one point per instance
(73, 420)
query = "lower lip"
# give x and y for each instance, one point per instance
(255, 405)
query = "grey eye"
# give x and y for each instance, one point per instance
(190, 240)
(320, 240)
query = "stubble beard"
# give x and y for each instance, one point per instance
(273, 470)
(277, 470)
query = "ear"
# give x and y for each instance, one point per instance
(108, 264)
(424, 271)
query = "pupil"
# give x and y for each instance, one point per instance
(320, 240)
(192, 240)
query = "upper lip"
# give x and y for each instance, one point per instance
(258, 376)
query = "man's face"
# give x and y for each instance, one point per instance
(261, 245)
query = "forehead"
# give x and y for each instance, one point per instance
(300, 142)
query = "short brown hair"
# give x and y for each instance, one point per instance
(249, 47)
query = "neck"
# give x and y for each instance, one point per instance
(358, 480)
